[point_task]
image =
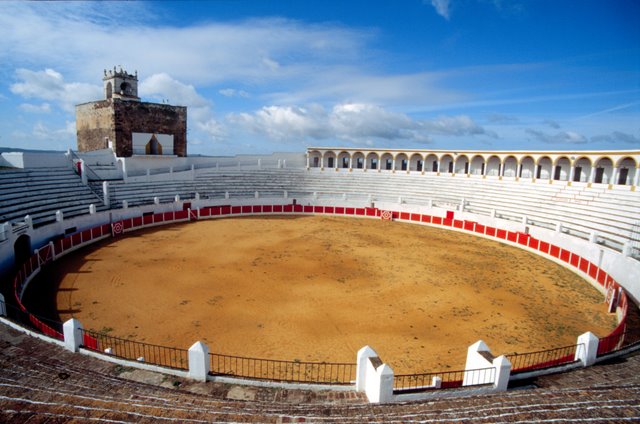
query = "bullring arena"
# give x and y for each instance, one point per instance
(442, 319)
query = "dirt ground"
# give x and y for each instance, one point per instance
(320, 288)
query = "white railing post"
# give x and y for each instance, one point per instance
(587, 354)
(361, 368)
(92, 209)
(72, 330)
(502, 366)
(199, 364)
(83, 173)
(3, 307)
(59, 216)
(105, 193)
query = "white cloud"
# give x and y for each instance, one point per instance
(617, 137)
(442, 7)
(562, 137)
(163, 87)
(50, 85)
(31, 108)
(232, 92)
(358, 123)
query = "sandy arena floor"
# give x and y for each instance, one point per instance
(320, 288)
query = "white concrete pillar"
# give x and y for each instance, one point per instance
(361, 366)
(28, 220)
(379, 163)
(308, 161)
(636, 177)
(518, 170)
(3, 307)
(156, 200)
(572, 171)
(614, 175)
(105, 194)
(559, 227)
(462, 203)
(500, 169)
(177, 198)
(286, 194)
(502, 366)
(197, 196)
(125, 204)
(593, 237)
(259, 163)
(92, 209)
(587, 350)
(393, 164)
(83, 173)
(284, 163)
(256, 195)
(226, 195)
(350, 162)
(199, 365)
(59, 216)
(171, 170)
(72, 331)
(383, 391)
(438, 166)
(193, 171)
(592, 176)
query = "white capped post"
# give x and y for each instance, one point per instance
(72, 330)
(199, 364)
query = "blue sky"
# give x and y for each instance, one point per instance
(265, 76)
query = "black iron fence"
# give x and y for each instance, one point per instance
(617, 341)
(170, 357)
(286, 371)
(412, 383)
(523, 362)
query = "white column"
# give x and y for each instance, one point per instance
(199, 365)
(592, 175)
(500, 169)
(503, 372)
(614, 175)
(572, 171)
(587, 349)
(308, 161)
(350, 161)
(636, 177)
(393, 163)
(83, 173)
(3, 307)
(72, 330)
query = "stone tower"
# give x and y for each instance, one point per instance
(120, 85)
(128, 125)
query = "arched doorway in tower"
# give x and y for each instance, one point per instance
(153, 147)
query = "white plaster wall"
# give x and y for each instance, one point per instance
(35, 159)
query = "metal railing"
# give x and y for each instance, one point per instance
(285, 371)
(411, 383)
(164, 356)
(617, 341)
(530, 361)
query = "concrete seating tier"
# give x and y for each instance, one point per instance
(40, 192)
(41, 382)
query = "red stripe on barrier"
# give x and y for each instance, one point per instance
(426, 218)
(593, 270)
(181, 214)
(480, 228)
(501, 234)
(534, 243)
(349, 211)
(277, 208)
(329, 209)
(447, 222)
(256, 209)
(318, 209)
(565, 255)
(575, 260)
(371, 211)
(236, 210)
(205, 212)
(267, 209)
(457, 223)
(584, 265)
(360, 211)
(436, 220)
(602, 277)
(405, 215)
(245, 209)
(512, 236)
(468, 225)
(167, 216)
(554, 251)
(307, 209)
(339, 211)
(490, 231)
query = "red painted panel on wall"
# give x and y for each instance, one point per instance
(533, 243)
(147, 219)
(480, 228)
(307, 209)
(405, 215)
(350, 211)
(544, 247)
(339, 211)
(436, 220)
(449, 215)
(236, 209)
(371, 211)
(278, 208)
(66, 243)
(181, 214)
(416, 217)
(205, 212)
(86, 235)
(329, 209)
(512, 236)
(458, 223)
(426, 218)
(75, 239)
(554, 251)
(256, 209)
(468, 225)
(267, 208)
(501, 234)
(287, 208)
(360, 212)
(297, 208)
(246, 209)
(602, 277)
(225, 210)
(490, 231)
(593, 270)
(447, 222)
(584, 265)
(167, 216)
(318, 209)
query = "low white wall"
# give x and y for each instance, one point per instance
(35, 159)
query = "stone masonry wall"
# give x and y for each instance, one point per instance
(118, 119)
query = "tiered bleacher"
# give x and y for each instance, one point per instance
(41, 192)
